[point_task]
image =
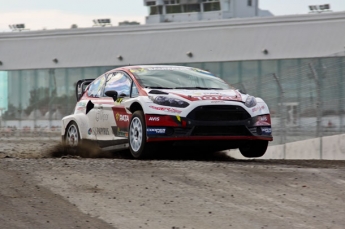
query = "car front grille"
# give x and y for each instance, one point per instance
(218, 113)
(220, 131)
(181, 131)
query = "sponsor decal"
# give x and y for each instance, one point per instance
(200, 96)
(81, 104)
(166, 68)
(164, 120)
(80, 108)
(212, 93)
(155, 131)
(101, 117)
(89, 131)
(101, 131)
(119, 100)
(258, 108)
(215, 97)
(121, 133)
(135, 70)
(118, 132)
(154, 119)
(263, 120)
(120, 117)
(266, 130)
(166, 109)
(217, 101)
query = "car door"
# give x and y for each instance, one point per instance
(115, 111)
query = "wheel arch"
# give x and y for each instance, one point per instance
(135, 107)
(82, 123)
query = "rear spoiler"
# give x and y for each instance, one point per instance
(81, 86)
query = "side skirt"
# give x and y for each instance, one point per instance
(114, 145)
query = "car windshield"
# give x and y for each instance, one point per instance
(177, 78)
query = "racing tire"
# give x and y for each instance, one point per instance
(254, 149)
(72, 137)
(138, 146)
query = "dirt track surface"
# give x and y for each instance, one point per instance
(172, 192)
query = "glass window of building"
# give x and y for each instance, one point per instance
(173, 9)
(250, 3)
(151, 3)
(226, 5)
(191, 8)
(213, 67)
(171, 2)
(194, 65)
(231, 73)
(90, 73)
(156, 10)
(211, 6)
(3, 91)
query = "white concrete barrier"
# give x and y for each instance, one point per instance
(331, 148)
(307, 149)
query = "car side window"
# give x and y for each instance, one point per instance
(135, 92)
(95, 87)
(119, 82)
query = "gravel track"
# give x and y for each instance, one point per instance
(170, 192)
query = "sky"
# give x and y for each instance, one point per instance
(49, 14)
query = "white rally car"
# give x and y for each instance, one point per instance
(137, 107)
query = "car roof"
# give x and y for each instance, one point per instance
(145, 66)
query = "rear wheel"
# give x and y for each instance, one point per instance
(137, 136)
(72, 137)
(254, 149)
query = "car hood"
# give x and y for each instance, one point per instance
(197, 95)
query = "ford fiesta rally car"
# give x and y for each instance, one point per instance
(137, 107)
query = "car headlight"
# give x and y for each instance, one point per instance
(170, 102)
(250, 101)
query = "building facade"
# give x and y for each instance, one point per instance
(292, 62)
(161, 11)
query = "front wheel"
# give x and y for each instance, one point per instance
(254, 149)
(137, 136)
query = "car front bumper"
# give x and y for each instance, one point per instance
(175, 128)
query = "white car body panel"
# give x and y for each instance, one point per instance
(108, 120)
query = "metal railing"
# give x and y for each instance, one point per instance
(306, 101)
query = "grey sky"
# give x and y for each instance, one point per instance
(40, 14)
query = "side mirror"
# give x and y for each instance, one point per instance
(112, 94)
